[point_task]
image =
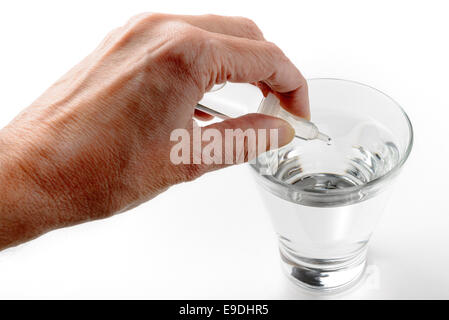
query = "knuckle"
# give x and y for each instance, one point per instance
(155, 17)
(251, 28)
(189, 35)
(271, 46)
(212, 17)
(275, 52)
(147, 17)
(188, 46)
(136, 19)
(186, 53)
(139, 24)
(111, 35)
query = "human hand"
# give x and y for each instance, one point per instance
(98, 141)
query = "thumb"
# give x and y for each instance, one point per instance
(235, 141)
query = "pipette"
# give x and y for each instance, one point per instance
(304, 129)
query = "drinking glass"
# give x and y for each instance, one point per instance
(325, 200)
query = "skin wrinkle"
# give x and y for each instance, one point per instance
(18, 208)
(97, 142)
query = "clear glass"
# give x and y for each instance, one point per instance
(325, 200)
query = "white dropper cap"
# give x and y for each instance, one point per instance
(304, 129)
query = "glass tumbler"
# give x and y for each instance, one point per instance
(325, 200)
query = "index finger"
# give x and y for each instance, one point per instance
(246, 60)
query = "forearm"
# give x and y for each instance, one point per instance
(43, 188)
(26, 210)
(21, 212)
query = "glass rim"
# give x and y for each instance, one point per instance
(370, 184)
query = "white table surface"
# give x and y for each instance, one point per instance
(212, 238)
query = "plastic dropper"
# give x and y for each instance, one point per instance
(270, 105)
(304, 129)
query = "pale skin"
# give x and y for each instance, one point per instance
(97, 142)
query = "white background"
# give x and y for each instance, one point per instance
(212, 238)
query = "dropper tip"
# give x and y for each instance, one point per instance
(323, 137)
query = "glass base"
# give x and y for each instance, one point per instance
(324, 275)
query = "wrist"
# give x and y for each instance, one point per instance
(26, 209)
